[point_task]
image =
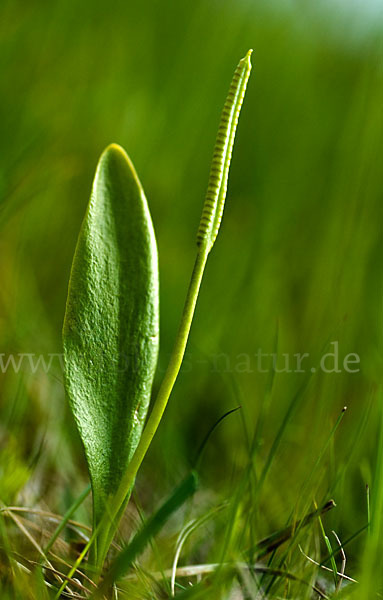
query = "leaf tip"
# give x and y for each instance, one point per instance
(114, 151)
(116, 158)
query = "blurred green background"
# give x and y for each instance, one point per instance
(298, 256)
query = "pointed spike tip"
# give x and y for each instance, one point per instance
(247, 57)
(245, 62)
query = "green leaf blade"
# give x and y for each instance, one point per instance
(110, 333)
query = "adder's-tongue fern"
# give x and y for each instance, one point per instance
(207, 233)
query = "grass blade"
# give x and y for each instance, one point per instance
(125, 559)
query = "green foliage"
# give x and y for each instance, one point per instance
(110, 330)
(301, 245)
